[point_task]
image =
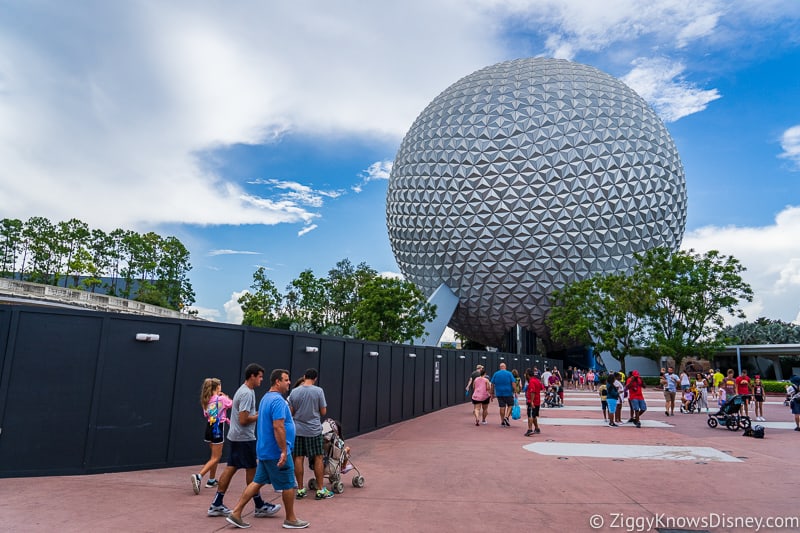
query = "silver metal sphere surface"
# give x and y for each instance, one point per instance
(524, 176)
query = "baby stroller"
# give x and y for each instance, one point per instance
(551, 398)
(691, 405)
(729, 415)
(335, 458)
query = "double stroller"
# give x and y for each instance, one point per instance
(336, 459)
(551, 397)
(729, 415)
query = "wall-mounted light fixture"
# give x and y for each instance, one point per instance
(311, 349)
(373, 354)
(502, 358)
(461, 357)
(483, 357)
(412, 355)
(438, 356)
(147, 337)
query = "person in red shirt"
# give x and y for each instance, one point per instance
(534, 400)
(634, 385)
(743, 389)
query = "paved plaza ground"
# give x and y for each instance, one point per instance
(440, 472)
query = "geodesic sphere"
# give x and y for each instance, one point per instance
(524, 176)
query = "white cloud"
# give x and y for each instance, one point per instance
(790, 142)
(298, 193)
(305, 230)
(588, 25)
(660, 82)
(379, 170)
(771, 255)
(233, 311)
(231, 252)
(94, 116)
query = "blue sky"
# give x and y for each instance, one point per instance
(262, 133)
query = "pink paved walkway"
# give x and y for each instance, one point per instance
(440, 472)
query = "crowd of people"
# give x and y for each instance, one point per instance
(271, 441)
(615, 389)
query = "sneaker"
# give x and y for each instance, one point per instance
(483, 422)
(211, 483)
(323, 494)
(666, 413)
(301, 493)
(347, 468)
(477, 423)
(266, 510)
(536, 431)
(529, 433)
(295, 524)
(631, 420)
(612, 424)
(218, 510)
(196, 479)
(506, 421)
(797, 428)
(638, 424)
(238, 522)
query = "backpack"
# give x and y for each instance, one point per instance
(213, 421)
(758, 432)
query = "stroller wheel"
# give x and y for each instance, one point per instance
(312, 484)
(712, 422)
(358, 481)
(744, 422)
(732, 424)
(338, 487)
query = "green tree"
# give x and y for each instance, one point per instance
(72, 237)
(690, 292)
(343, 286)
(392, 310)
(262, 305)
(172, 274)
(10, 246)
(101, 250)
(80, 262)
(43, 250)
(762, 331)
(606, 310)
(309, 298)
(131, 245)
(116, 254)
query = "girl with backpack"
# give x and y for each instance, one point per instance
(215, 406)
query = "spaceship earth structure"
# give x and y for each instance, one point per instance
(524, 176)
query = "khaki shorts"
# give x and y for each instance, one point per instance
(669, 396)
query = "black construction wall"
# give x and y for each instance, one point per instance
(78, 393)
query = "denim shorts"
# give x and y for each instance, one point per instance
(638, 405)
(268, 473)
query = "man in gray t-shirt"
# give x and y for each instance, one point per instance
(242, 439)
(308, 406)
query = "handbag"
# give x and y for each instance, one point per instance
(515, 411)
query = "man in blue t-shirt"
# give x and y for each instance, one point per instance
(670, 382)
(503, 383)
(275, 435)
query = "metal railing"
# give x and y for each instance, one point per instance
(85, 299)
